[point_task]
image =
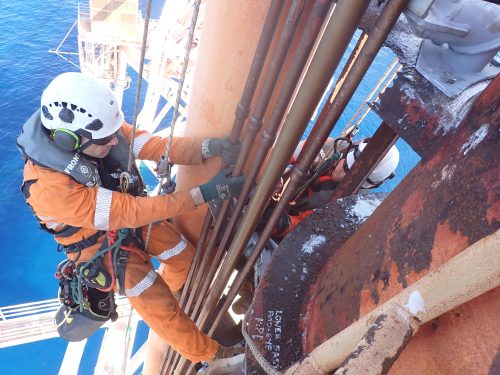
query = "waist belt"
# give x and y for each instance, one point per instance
(80, 245)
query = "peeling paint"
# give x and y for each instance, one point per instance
(475, 139)
(415, 303)
(364, 207)
(312, 243)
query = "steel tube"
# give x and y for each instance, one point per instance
(241, 114)
(197, 256)
(167, 360)
(370, 96)
(383, 139)
(307, 40)
(336, 38)
(340, 81)
(266, 36)
(242, 111)
(333, 111)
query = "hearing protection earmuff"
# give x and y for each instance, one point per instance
(65, 139)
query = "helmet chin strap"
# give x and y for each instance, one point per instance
(85, 145)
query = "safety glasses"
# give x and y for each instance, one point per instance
(105, 140)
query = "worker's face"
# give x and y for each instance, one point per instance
(338, 173)
(99, 151)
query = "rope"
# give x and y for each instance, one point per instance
(371, 96)
(194, 19)
(166, 157)
(139, 84)
(263, 363)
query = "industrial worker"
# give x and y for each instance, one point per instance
(326, 173)
(320, 188)
(76, 149)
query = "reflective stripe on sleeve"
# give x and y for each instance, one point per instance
(142, 285)
(139, 143)
(176, 250)
(102, 208)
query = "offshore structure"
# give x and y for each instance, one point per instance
(399, 283)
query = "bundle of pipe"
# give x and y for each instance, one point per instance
(242, 111)
(337, 35)
(330, 114)
(338, 32)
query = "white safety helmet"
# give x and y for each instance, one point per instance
(383, 171)
(77, 103)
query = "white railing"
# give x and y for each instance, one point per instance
(34, 321)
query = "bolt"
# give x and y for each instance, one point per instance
(448, 78)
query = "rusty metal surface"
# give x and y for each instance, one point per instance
(447, 202)
(421, 114)
(444, 205)
(418, 112)
(276, 318)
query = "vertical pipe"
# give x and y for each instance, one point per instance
(214, 96)
(229, 39)
(266, 36)
(335, 40)
(241, 114)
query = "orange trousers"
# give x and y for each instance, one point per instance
(150, 294)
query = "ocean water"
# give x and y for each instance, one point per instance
(28, 30)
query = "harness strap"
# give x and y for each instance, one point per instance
(66, 232)
(80, 245)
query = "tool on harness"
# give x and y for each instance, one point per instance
(86, 289)
(95, 275)
(83, 308)
(131, 184)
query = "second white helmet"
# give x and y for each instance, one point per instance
(384, 170)
(78, 102)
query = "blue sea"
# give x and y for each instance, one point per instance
(29, 29)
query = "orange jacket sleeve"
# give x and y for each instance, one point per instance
(57, 197)
(184, 151)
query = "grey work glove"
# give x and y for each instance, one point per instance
(222, 186)
(314, 201)
(221, 147)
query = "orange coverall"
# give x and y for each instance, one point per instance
(58, 200)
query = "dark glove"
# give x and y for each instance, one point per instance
(222, 186)
(314, 201)
(224, 148)
(281, 225)
(228, 352)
